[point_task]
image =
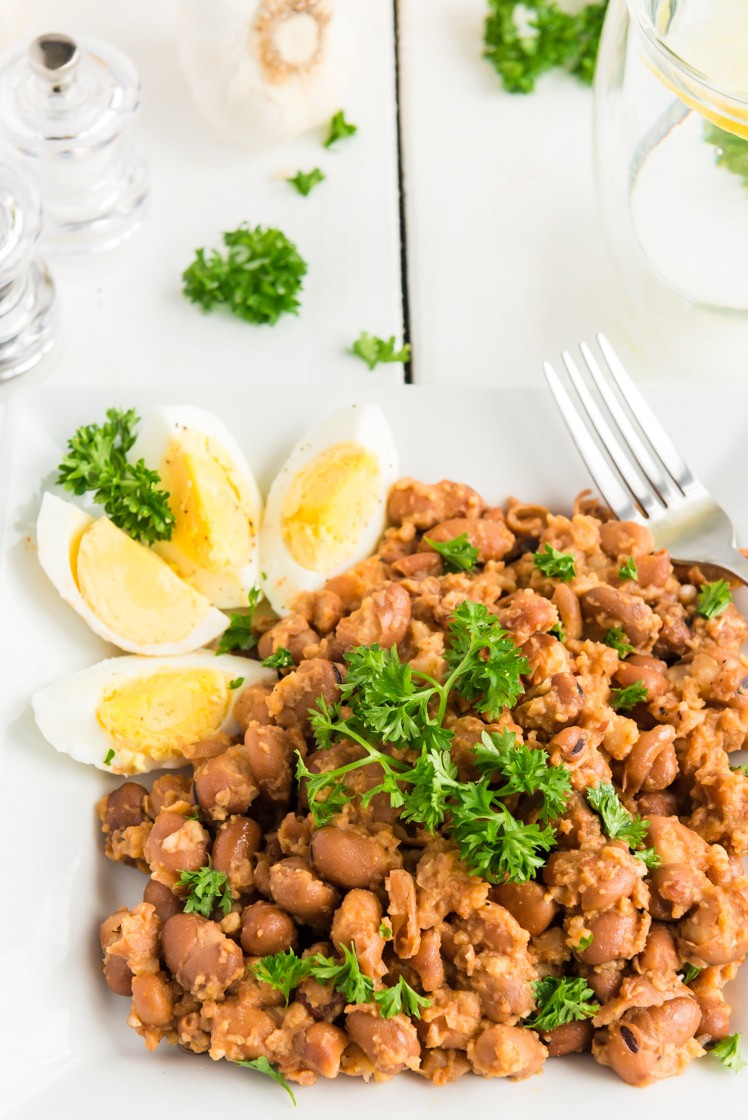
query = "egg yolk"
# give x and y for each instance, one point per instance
(133, 591)
(328, 505)
(211, 503)
(157, 716)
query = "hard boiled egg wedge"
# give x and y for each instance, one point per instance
(127, 594)
(132, 714)
(214, 498)
(327, 507)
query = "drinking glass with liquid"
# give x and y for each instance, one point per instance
(671, 137)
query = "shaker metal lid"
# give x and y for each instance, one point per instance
(62, 93)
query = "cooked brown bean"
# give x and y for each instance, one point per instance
(175, 844)
(605, 982)
(390, 1044)
(659, 953)
(152, 999)
(125, 806)
(605, 608)
(428, 961)
(502, 1051)
(322, 1047)
(566, 603)
(525, 613)
(199, 956)
(170, 790)
(292, 697)
(637, 1045)
(616, 934)
(654, 570)
(715, 1014)
(225, 784)
(659, 804)
(251, 706)
(529, 903)
(382, 618)
(266, 929)
(625, 538)
(272, 757)
(652, 763)
(117, 972)
(235, 843)
(569, 1038)
(427, 505)
(347, 858)
(323, 609)
(649, 670)
(401, 889)
(296, 888)
(356, 922)
(163, 899)
(292, 633)
(674, 889)
(491, 538)
(716, 930)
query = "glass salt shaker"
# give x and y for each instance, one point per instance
(65, 110)
(27, 308)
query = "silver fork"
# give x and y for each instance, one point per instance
(635, 466)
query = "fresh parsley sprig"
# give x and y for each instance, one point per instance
(565, 1000)
(484, 663)
(257, 278)
(713, 598)
(375, 351)
(459, 555)
(526, 770)
(729, 1052)
(96, 462)
(400, 999)
(649, 858)
(206, 889)
(281, 659)
(262, 1065)
(623, 698)
(306, 181)
(617, 639)
(617, 820)
(239, 634)
(493, 843)
(628, 570)
(339, 129)
(555, 564)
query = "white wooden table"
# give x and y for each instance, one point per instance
(502, 260)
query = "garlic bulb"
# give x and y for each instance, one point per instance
(263, 71)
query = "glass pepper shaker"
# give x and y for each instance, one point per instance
(65, 110)
(27, 306)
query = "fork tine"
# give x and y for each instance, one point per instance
(653, 470)
(606, 480)
(646, 420)
(612, 445)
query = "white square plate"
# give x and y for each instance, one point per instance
(65, 1049)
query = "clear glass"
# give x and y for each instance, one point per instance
(671, 139)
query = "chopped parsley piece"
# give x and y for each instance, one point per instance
(628, 570)
(458, 555)
(96, 462)
(484, 663)
(306, 181)
(385, 931)
(339, 129)
(258, 278)
(617, 640)
(649, 858)
(629, 697)
(713, 598)
(689, 973)
(729, 1053)
(239, 634)
(345, 976)
(207, 889)
(109, 757)
(493, 844)
(400, 998)
(555, 564)
(236, 683)
(375, 350)
(617, 821)
(565, 1000)
(262, 1065)
(526, 770)
(281, 659)
(524, 40)
(742, 768)
(584, 942)
(283, 971)
(558, 631)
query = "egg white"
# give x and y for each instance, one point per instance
(283, 579)
(159, 427)
(58, 528)
(65, 711)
